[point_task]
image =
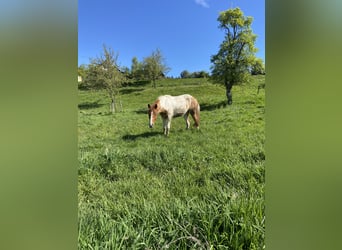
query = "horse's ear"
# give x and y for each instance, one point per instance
(148, 105)
(155, 106)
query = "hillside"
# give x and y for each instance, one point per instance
(141, 190)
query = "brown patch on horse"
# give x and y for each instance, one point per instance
(155, 106)
(193, 104)
(155, 109)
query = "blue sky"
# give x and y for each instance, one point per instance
(186, 31)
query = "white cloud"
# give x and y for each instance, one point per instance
(203, 3)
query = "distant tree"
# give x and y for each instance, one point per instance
(196, 74)
(258, 67)
(232, 63)
(125, 70)
(136, 69)
(203, 74)
(199, 74)
(185, 74)
(154, 67)
(105, 72)
(90, 81)
(82, 70)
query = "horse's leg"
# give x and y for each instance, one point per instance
(165, 125)
(186, 117)
(168, 125)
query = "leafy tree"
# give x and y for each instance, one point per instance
(258, 67)
(185, 74)
(82, 70)
(196, 74)
(136, 69)
(203, 74)
(200, 74)
(154, 67)
(233, 61)
(125, 70)
(91, 81)
(105, 72)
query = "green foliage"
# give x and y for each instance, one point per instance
(82, 70)
(105, 72)
(236, 54)
(192, 190)
(258, 67)
(185, 74)
(154, 67)
(196, 74)
(137, 70)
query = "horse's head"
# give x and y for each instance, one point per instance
(152, 113)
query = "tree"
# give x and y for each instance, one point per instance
(154, 67)
(136, 69)
(82, 70)
(233, 61)
(258, 67)
(199, 74)
(105, 72)
(196, 74)
(185, 74)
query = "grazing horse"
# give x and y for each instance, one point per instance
(172, 106)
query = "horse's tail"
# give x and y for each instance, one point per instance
(196, 112)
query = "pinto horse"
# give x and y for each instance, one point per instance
(173, 106)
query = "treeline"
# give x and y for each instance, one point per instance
(151, 68)
(196, 74)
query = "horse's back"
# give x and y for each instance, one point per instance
(178, 98)
(176, 104)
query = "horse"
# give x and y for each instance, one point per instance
(174, 106)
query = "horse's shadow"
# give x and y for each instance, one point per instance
(142, 111)
(129, 137)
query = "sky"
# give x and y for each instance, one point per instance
(185, 31)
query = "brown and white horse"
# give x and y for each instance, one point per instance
(172, 106)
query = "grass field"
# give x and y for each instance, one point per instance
(192, 190)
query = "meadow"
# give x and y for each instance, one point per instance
(195, 189)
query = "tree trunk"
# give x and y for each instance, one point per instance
(112, 106)
(229, 93)
(120, 106)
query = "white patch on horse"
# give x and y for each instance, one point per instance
(151, 119)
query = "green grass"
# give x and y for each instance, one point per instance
(192, 190)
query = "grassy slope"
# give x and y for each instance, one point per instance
(200, 189)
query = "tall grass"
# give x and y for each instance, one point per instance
(192, 190)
